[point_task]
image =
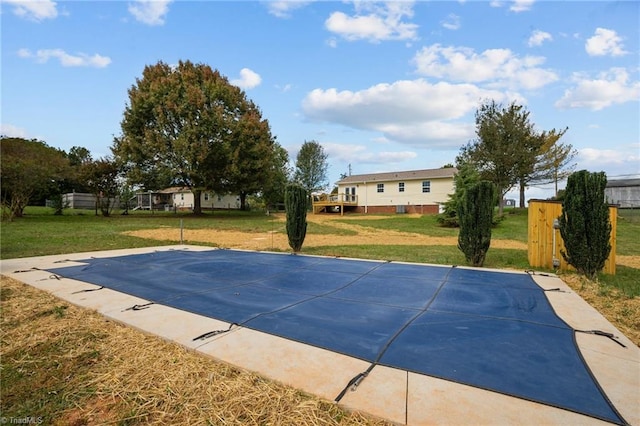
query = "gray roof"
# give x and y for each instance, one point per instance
(623, 182)
(447, 172)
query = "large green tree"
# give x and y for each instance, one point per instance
(185, 121)
(252, 152)
(311, 167)
(28, 168)
(503, 147)
(280, 172)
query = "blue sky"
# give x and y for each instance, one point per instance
(383, 86)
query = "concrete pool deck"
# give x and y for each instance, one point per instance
(400, 396)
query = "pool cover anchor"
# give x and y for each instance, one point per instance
(606, 334)
(354, 383)
(214, 332)
(139, 307)
(27, 270)
(52, 277)
(88, 290)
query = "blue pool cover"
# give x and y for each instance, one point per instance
(491, 330)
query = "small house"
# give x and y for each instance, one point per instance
(413, 191)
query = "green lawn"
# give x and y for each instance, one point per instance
(39, 233)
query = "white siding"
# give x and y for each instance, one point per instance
(185, 200)
(369, 196)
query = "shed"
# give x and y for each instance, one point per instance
(624, 192)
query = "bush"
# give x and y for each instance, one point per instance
(295, 204)
(475, 213)
(585, 226)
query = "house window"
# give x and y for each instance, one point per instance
(426, 186)
(219, 198)
(182, 197)
(206, 196)
(400, 186)
(381, 187)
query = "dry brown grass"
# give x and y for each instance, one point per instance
(278, 240)
(621, 311)
(73, 367)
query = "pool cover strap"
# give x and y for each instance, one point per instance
(602, 333)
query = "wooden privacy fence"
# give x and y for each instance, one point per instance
(545, 242)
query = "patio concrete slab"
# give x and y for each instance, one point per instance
(433, 401)
(397, 395)
(321, 372)
(383, 393)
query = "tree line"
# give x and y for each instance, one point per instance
(186, 125)
(183, 125)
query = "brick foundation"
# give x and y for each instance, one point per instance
(409, 208)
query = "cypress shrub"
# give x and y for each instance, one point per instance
(585, 226)
(475, 214)
(295, 203)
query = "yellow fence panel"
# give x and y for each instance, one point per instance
(545, 244)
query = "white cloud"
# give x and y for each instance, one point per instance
(605, 42)
(497, 67)
(332, 42)
(283, 9)
(12, 131)
(363, 155)
(609, 88)
(374, 22)
(66, 60)
(452, 22)
(150, 12)
(34, 10)
(516, 6)
(538, 37)
(615, 161)
(521, 5)
(248, 79)
(287, 87)
(415, 112)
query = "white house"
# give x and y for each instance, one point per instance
(181, 198)
(413, 191)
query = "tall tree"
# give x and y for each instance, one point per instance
(279, 174)
(476, 216)
(502, 148)
(296, 201)
(585, 225)
(311, 167)
(555, 161)
(79, 155)
(102, 178)
(28, 168)
(180, 121)
(466, 176)
(252, 151)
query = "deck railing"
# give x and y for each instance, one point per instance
(335, 199)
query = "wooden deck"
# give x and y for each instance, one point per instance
(328, 201)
